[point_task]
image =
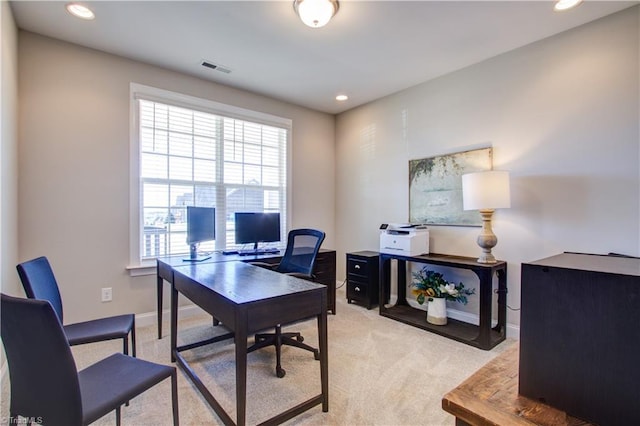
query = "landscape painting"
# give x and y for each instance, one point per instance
(435, 187)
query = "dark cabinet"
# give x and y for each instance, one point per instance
(325, 273)
(580, 336)
(362, 278)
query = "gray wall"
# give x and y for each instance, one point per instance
(74, 167)
(9, 153)
(562, 115)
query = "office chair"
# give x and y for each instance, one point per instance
(46, 387)
(298, 260)
(39, 282)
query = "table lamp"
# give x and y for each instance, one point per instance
(485, 192)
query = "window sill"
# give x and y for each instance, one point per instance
(147, 267)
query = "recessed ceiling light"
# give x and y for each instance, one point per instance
(341, 98)
(80, 11)
(566, 4)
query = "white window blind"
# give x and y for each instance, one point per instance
(191, 157)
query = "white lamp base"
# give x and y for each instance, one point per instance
(487, 239)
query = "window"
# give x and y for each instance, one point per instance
(192, 152)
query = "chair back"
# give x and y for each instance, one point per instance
(301, 252)
(40, 283)
(42, 372)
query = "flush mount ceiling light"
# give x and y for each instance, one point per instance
(80, 11)
(316, 13)
(566, 4)
(342, 98)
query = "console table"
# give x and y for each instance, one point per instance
(324, 272)
(482, 336)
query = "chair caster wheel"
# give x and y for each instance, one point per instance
(280, 372)
(300, 339)
(316, 355)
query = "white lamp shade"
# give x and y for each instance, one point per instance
(486, 190)
(315, 13)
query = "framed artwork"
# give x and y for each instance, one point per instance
(435, 187)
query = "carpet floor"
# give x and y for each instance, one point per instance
(381, 372)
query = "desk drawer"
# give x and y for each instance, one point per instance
(358, 267)
(357, 290)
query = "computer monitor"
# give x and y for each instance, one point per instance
(201, 226)
(256, 228)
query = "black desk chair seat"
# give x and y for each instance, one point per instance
(45, 384)
(299, 260)
(39, 282)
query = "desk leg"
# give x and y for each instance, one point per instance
(324, 359)
(174, 322)
(241, 371)
(159, 285)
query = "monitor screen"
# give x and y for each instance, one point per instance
(201, 224)
(257, 227)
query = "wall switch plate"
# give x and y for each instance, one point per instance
(107, 294)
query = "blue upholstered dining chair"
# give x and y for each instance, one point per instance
(39, 282)
(299, 260)
(46, 387)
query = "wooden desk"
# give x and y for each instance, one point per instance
(490, 397)
(482, 336)
(247, 299)
(324, 272)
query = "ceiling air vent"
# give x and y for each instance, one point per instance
(216, 67)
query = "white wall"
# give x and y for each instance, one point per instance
(74, 167)
(562, 115)
(8, 152)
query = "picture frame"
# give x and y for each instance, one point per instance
(435, 187)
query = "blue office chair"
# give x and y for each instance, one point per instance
(39, 282)
(299, 260)
(46, 387)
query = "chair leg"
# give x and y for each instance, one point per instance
(174, 398)
(292, 341)
(118, 416)
(133, 337)
(280, 372)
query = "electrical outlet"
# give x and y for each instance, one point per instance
(107, 294)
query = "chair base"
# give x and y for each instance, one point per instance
(278, 339)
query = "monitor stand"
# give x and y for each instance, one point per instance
(193, 255)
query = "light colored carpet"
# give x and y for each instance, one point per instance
(381, 372)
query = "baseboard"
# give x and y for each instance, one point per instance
(513, 331)
(151, 318)
(186, 311)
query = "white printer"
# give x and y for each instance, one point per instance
(404, 239)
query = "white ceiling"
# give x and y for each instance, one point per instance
(369, 50)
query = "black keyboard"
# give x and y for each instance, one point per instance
(252, 252)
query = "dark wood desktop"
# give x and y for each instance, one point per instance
(324, 272)
(246, 299)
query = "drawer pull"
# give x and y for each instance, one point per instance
(357, 289)
(357, 267)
